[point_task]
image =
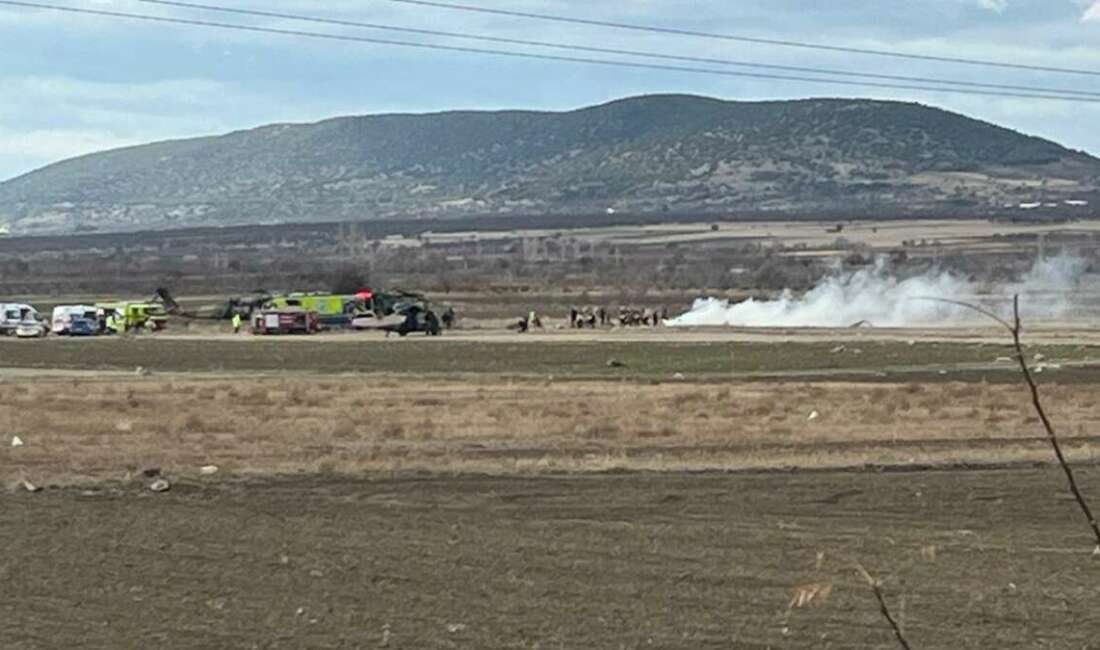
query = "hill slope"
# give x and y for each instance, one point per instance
(652, 153)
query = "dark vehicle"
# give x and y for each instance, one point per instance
(402, 312)
(394, 301)
(416, 320)
(82, 327)
(242, 306)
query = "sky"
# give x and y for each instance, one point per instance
(74, 84)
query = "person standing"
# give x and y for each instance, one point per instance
(113, 324)
(236, 323)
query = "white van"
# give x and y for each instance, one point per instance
(12, 314)
(75, 320)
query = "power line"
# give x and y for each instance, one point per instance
(744, 39)
(542, 57)
(605, 50)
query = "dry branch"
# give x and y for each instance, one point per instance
(884, 609)
(1015, 328)
(1051, 435)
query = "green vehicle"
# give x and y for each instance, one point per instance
(136, 315)
(332, 310)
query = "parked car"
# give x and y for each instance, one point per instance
(75, 320)
(83, 327)
(12, 314)
(31, 329)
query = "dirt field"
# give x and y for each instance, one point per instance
(497, 491)
(991, 559)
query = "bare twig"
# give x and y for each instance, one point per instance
(884, 609)
(1051, 435)
(1015, 328)
(978, 308)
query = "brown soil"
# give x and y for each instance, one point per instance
(994, 559)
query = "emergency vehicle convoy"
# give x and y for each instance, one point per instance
(400, 312)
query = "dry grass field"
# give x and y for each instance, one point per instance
(83, 431)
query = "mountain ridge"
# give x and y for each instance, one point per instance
(650, 153)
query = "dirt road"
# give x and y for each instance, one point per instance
(995, 559)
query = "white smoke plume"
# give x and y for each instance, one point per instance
(1092, 14)
(874, 295)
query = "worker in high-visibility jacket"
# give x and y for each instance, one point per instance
(114, 322)
(236, 323)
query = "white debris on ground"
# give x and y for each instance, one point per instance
(16, 441)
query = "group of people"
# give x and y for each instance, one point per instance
(588, 317)
(593, 317)
(526, 323)
(636, 317)
(627, 317)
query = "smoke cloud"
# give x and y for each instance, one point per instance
(875, 295)
(1092, 14)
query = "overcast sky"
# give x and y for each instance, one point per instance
(73, 84)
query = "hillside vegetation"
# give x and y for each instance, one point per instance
(644, 154)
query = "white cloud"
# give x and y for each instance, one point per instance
(56, 144)
(1092, 14)
(49, 118)
(993, 5)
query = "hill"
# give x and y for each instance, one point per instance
(669, 153)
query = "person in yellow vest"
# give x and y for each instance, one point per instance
(236, 323)
(114, 322)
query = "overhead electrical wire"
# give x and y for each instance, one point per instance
(537, 56)
(744, 39)
(615, 51)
